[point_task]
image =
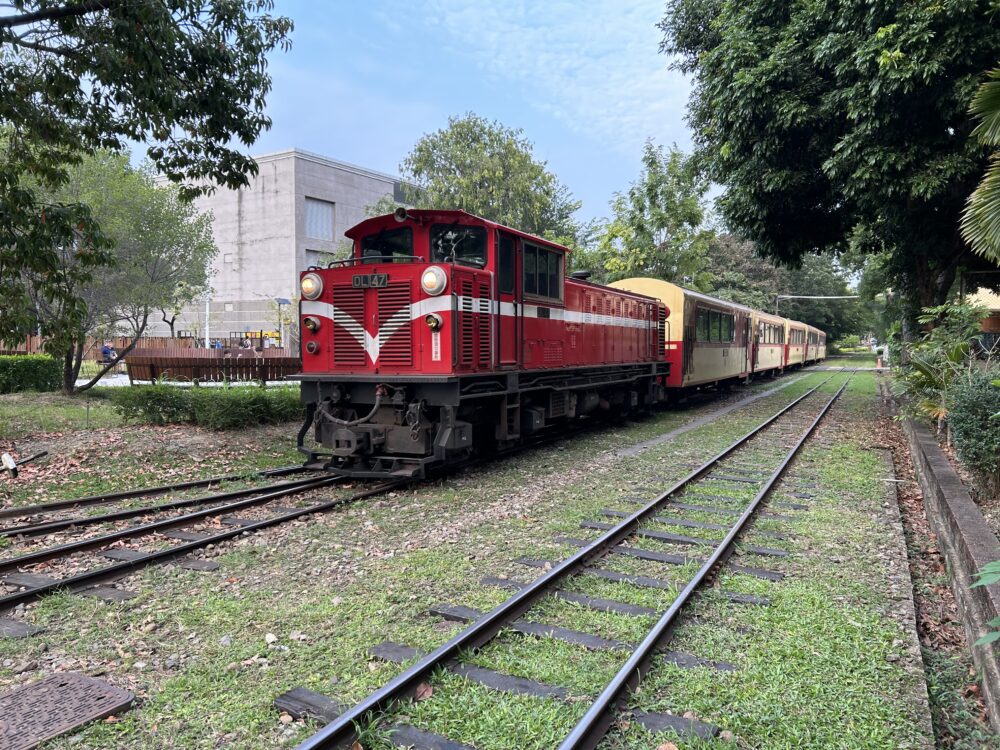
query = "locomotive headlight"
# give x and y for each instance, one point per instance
(433, 321)
(311, 323)
(434, 280)
(312, 285)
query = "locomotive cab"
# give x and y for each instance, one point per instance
(443, 332)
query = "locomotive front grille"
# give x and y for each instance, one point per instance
(348, 331)
(395, 334)
(468, 330)
(485, 348)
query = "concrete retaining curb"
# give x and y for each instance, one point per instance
(968, 544)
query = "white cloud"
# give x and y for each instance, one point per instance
(593, 65)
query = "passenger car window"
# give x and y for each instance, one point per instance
(702, 323)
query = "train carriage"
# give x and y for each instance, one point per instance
(815, 345)
(795, 343)
(707, 339)
(768, 352)
(444, 331)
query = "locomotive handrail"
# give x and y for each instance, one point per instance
(353, 260)
(376, 258)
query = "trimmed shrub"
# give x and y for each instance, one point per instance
(29, 372)
(234, 408)
(213, 408)
(974, 402)
(153, 404)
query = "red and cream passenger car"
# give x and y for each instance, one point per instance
(443, 331)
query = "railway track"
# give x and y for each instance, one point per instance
(28, 571)
(758, 460)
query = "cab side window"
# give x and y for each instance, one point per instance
(542, 271)
(505, 263)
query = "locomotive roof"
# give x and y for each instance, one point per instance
(427, 216)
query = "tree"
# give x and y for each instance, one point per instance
(657, 226)
(489, 170)
(841, 124)
(161, 247)
(188, 77)
(981, 219)
(739, 274)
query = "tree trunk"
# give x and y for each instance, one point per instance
(118, 358)
(69, 374)
(169, 321)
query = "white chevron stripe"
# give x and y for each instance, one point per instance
(418, 310)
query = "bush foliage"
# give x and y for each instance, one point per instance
(29, 372)
(974, 419)
(215, 408)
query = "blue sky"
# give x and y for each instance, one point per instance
(584, 80)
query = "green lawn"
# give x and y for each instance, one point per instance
(822, 667)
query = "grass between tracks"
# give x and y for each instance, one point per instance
(825, 666)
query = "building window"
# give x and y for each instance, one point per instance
(319, 219)
(228, 258)
(229, 307)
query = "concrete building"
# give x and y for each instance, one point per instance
(292, 215)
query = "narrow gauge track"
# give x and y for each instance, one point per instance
(34, 590)
(34, 587)
(19, 511)
(593, 726)
(47, 527)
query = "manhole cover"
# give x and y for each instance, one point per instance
(45, 709)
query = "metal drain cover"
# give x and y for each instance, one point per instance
(31, 714)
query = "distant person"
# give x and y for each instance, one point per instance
(106, 352)
(247, 343)
(267, 342)
(218, 343)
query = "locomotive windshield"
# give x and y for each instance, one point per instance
(389, 245)
(461, 244)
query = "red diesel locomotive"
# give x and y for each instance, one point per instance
(445, 332)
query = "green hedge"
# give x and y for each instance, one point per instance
(224, 408)
(974, 421)
(29, 372)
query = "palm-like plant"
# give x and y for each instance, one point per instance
(981, 218)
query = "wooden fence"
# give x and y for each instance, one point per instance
(92, 347)
(210, 365)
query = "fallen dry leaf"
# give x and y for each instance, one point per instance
(667, 746)
(423, 692)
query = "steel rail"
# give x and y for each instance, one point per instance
(62, 550)
(590, 730)
(112, 572)
(341, 731)
(29, 530)
(27, 510)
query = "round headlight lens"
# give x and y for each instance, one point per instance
(433, 280)
(312, 285)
